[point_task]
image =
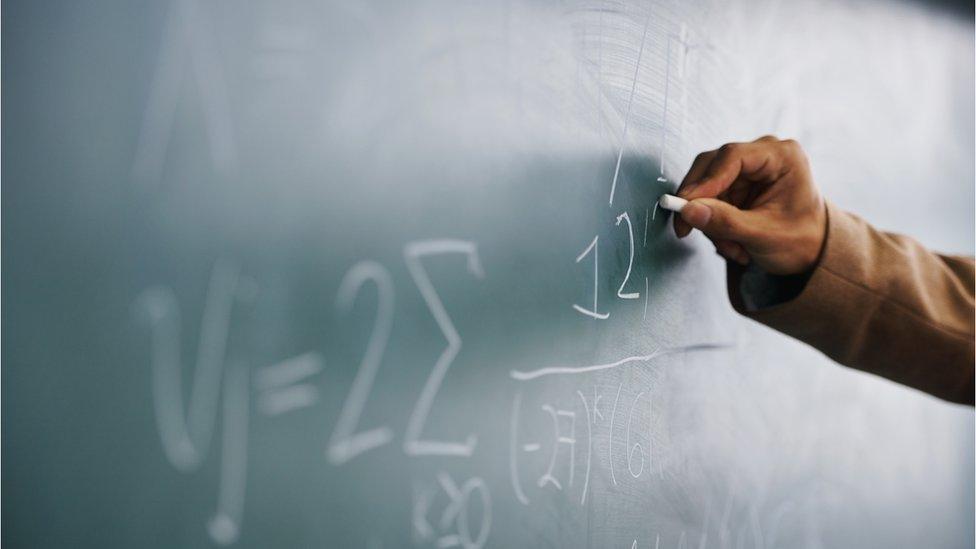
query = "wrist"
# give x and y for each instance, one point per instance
(819, 238)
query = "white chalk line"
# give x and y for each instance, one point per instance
(630, 103)
(528, 375)
(288, 371)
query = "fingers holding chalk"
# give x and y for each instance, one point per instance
(672, 203)
(676, 204)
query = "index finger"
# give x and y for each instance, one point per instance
(696, 171)
(752, 161)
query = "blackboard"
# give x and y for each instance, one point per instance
(295, 274)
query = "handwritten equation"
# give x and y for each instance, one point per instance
(596, 428)
(186, 431)
(563, 459)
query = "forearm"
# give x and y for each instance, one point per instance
(884, 304)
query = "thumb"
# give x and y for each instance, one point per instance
(718, 219)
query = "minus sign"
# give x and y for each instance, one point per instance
(531, 447)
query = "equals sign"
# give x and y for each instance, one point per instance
(281, 386)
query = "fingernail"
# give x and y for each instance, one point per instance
(697, 215)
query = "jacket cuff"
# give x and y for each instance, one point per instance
(821, 296)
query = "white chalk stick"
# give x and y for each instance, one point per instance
(671, 202)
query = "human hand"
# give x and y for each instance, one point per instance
(757, 202)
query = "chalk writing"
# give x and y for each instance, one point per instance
(413, 253)
(344, 444)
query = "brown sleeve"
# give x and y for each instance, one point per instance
(884, 304)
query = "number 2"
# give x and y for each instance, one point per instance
(345, 444)
(630, 262)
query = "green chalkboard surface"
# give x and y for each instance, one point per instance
(315, 274)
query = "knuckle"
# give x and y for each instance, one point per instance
(728, 149)
(767, 139)
(722, 222)
(795, 153)
(792, 146)
(747, 233)
(734, 227)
